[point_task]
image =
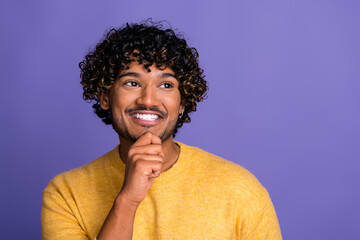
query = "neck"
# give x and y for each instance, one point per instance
(170, 149)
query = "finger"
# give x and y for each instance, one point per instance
(155, 139)
(147, 157)
(155, 174)
(147, 168)
(146, 139)
(146, 149)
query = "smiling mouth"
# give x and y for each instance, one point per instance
(145, 117)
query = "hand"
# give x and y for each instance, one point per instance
(143, 164)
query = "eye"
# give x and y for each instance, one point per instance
(167, 85)
(131, 84)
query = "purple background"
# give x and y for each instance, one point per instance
(283, 102)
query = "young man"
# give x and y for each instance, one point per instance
(145, 81)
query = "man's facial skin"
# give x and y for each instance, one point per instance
(142, 101)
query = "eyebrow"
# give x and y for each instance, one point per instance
(131, 74)
(165, 75)
(134, 74)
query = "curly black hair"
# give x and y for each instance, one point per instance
(148, 43)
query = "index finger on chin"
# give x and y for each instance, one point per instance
(146, 139)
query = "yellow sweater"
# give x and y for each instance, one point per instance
(201, 197)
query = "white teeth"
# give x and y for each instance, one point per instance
(147, 117)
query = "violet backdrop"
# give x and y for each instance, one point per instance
(284, 98)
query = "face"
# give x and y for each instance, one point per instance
(142, 101)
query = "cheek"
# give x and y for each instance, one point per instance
(122, 101)
(174, 103)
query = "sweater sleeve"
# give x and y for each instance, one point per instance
(58, 220)
(262, 223)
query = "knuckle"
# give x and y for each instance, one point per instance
(161, 158)
(158, 147)
(138, 164)
(131, 151)
(157, 164)
(134, 157)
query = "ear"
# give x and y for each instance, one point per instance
(104, 101)
(182, 108)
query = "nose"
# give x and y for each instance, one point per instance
(147, 97)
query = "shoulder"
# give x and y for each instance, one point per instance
(224, 175)
(216, 166)
(73, 201)
(86, 176)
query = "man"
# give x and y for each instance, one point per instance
(145, 81)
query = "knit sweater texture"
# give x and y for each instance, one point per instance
(201, 197)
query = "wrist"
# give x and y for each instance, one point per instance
(123, 202)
